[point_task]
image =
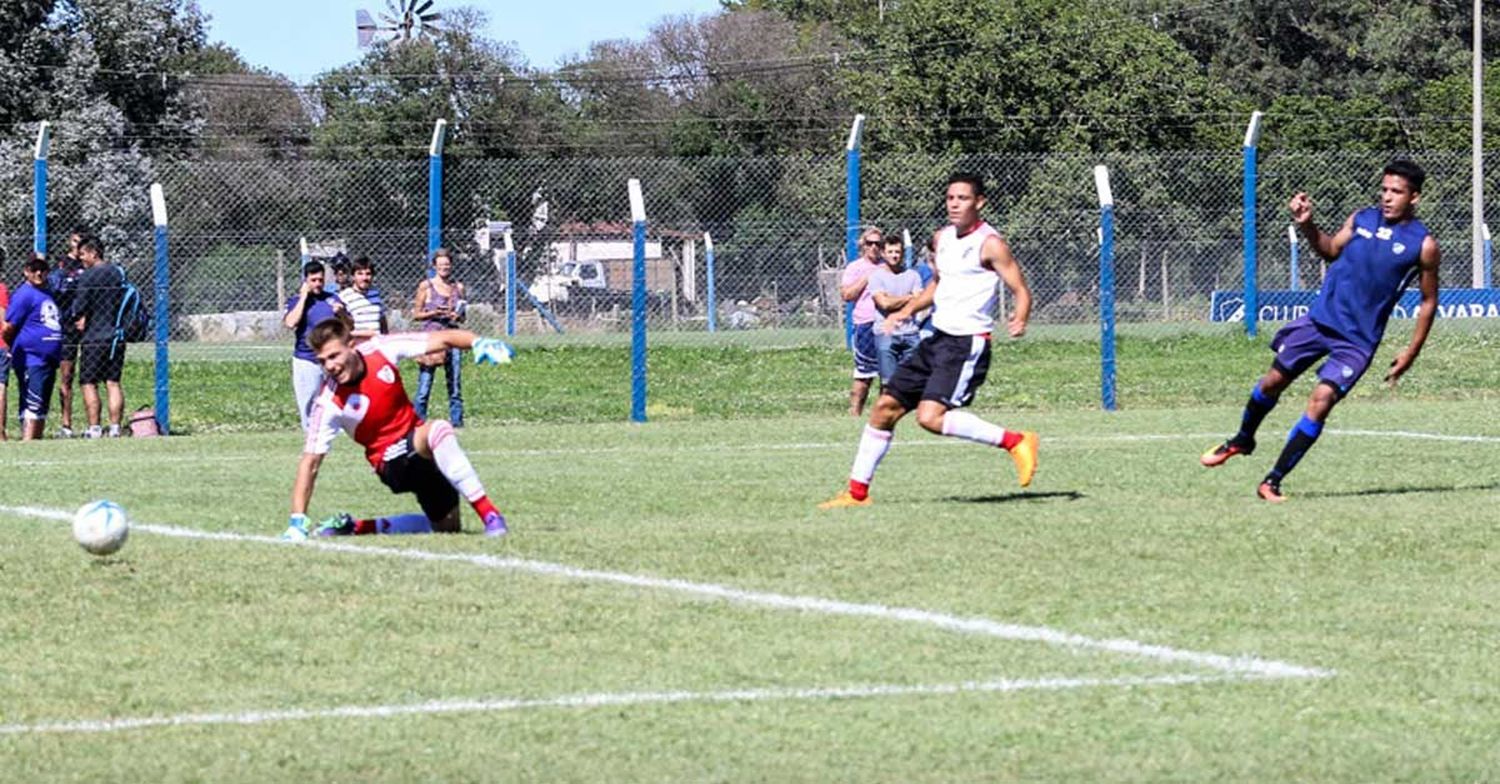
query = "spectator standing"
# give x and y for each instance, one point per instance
(62, 284)
(4, 357)
(363, 301)
(33, 328)
(891, 287)
(342, 273)
(310, 305)
(439, 304)
(852, 289)
(101, 351)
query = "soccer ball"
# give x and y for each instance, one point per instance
(101, 527)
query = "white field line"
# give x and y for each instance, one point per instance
(1233, 665)
(600, 700)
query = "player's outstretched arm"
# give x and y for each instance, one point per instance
(489, 351)
(1426, 311)
(302, 491)
(997, 256)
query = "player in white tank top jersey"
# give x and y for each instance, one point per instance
(941, 377)
(965, 298)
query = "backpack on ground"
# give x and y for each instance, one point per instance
(143, 423)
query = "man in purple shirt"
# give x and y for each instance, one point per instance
(852, 289)
(304, 310)
(33, 328)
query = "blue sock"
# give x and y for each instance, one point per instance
(404, 524)
(1255, 411)
(1301, 438)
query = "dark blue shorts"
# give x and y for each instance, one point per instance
(4, 369)
(1301, 343)
(866, 355)
(35, 385)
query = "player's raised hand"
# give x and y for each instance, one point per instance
(490, 351)
(1399, 366)
(1301, 207)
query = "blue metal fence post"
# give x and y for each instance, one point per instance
(638, 306)
(510, 284)
(713, 301)
(39, 183)
(851, 213)
(1106, 288)
(163, 314)
(1489, 256)
(435, 192)
(1252, 298)
(1291, 240)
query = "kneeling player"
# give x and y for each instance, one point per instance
(364, 396)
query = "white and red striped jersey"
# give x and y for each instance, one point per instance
(374, 410)
(964, 303)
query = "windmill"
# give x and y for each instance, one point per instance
(412, 21)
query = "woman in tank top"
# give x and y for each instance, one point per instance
(439, 304)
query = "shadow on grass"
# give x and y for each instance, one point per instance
(1067, 495)
(1403, 490)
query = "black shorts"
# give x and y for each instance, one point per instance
(945, 368)
(412, 473)
(100, 362)
(71, 339)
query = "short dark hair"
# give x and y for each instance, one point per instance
(37, 263)
(363, 263)
(894, 239)
(328, 329)
(442, 252)
(80, 231)
(1408, 169)
(93, 244)
(312, 268)
(971, 179)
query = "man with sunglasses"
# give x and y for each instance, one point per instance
(852, 288)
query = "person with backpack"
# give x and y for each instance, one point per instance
(98, 314)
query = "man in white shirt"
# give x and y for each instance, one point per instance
(363, 301)
(972, 259)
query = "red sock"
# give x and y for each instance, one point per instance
(1009, 440)
(364, 527)
(482, 506)
(858, 490)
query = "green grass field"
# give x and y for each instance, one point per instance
(670, 605)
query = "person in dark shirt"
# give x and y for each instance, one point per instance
(309, 306)
(101, 357)
(1372, 258)
(62, 283)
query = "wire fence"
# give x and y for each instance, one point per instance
(777, 227)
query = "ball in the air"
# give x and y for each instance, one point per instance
(101, 527)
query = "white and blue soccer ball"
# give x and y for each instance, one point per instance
(101, 527)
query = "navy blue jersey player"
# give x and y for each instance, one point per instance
(1374, 256)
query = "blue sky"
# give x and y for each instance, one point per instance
(301, 38)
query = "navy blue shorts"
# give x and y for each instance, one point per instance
(4, 369)
(866, 355)
(1301, 343)
(35, 385)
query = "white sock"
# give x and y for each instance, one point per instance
(452, 461)
(873, 445)
(962, 424)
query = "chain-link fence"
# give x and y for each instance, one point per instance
(777, 227)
